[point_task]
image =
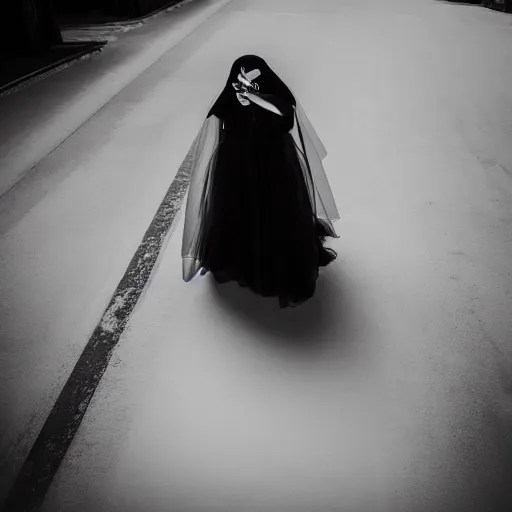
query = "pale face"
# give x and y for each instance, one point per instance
(251, 75)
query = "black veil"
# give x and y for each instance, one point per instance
(206, 150)
(227, 104)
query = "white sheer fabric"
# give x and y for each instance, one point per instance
(311, 146)
(198, 160)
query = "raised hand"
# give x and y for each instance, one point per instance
(246, 80)
(252, 75)
(245, 83)
(245, 87)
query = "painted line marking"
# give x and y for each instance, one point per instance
(59, 429)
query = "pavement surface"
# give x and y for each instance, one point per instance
(35, 120)
(53, 290)
(391, 390)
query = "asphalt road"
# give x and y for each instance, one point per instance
(391, 389)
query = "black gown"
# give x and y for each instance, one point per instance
(257, 218)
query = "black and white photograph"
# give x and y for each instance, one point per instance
(256, 256)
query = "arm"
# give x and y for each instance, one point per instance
(250, 91)
(259, 99)
(269, 102)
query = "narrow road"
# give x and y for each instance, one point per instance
(391, 390)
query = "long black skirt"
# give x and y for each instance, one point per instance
(259, 222)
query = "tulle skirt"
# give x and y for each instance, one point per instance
(259, 224)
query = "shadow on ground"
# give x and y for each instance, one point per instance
(311, 328)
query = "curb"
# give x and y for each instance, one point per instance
(133, 22)
(131, 64)
(92, 48)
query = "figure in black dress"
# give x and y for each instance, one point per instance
(259, 205)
